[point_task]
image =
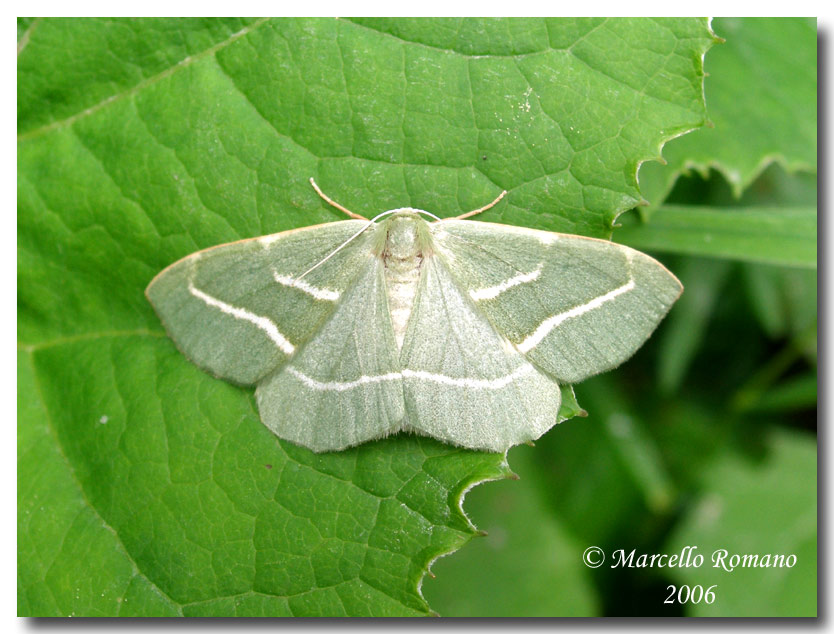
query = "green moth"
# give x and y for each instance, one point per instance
(456, 329)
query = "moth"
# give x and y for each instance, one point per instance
(452, 328)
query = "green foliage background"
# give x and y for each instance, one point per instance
(146, 487)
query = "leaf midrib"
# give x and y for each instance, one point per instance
(87, 336)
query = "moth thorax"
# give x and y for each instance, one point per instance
(406, 244)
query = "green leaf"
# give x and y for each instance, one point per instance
(141, 141)
(71, 561)
(761, 94)
(738, 499)
(783, 236)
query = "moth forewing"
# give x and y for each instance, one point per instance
(233, 309)
(575, 306)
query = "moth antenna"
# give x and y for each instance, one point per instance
(346, 242)
(484, 208)
(336, 250)
(332, 202)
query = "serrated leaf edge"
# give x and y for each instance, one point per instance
(671, 137)
(501, 472)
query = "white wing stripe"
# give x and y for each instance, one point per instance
(317, 293)
(239, 313)
(492, 292)
(477, 384)
(341, 386)
(550, 323)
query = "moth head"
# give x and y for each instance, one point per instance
(404, 234)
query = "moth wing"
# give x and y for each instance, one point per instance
(231, 309)
(574, 306)
(344, 386)
(463, 382)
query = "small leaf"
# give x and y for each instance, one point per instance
(570, 407)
